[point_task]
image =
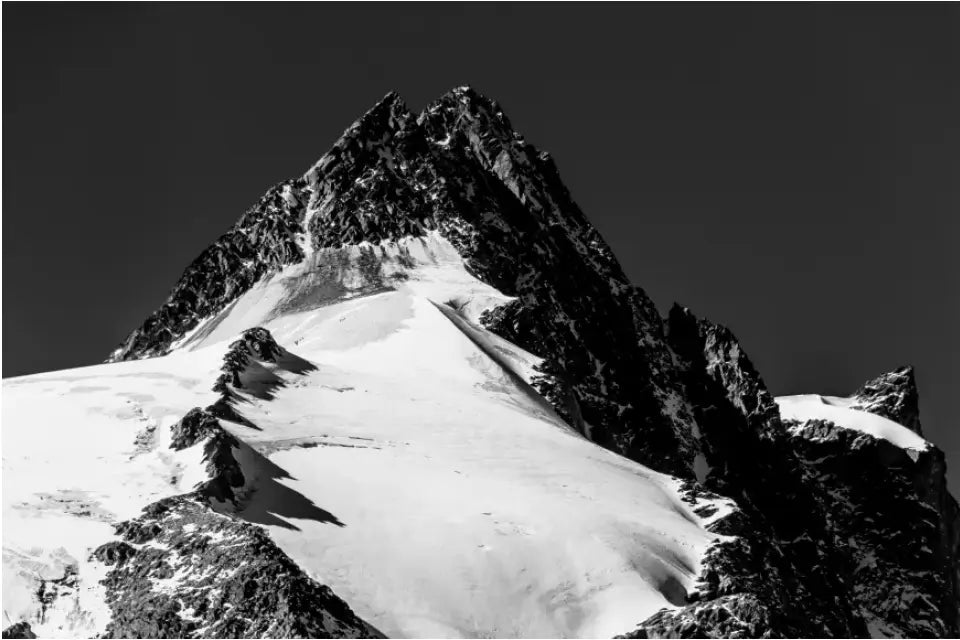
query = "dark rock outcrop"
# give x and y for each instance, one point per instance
(894, 396)
(899, 528)
(244, 369)
(778, 575)
(225, 476)
(187, 567)
(839, 533)
(183, 570)
(118, 552)
(264, 239)
(19, 630)
(195, 426)
(254, 345)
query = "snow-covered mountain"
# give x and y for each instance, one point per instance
(412, 393)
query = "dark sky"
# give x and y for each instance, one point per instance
(790, 170)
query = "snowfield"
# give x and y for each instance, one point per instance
(415, 472)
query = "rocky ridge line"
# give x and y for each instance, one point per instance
(187, 568)
(837, 533)
(775, 574)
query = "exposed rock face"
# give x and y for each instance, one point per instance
(895, 522)
(19, 630)
(737, 616)
(255, 344)
(892, 395)
(197, 425)
(777, 576)
(459, 167)
(831, 533)
(264, 239)
(226, 478)
(894, 542)
(187, 568)
(183, 570)
(847, 535)
(258, 342)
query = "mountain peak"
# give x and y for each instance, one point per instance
(390, 104)
(892, 395)
(388, 114)
(459, 323)
(472, 100)
(467, 111)
(466, 93)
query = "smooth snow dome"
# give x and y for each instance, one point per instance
(836, 410)
(415, 472)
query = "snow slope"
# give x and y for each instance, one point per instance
(838, 410)
(415, 472)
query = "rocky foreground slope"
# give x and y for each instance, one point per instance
(461, 329)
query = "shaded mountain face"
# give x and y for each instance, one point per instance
(805, 516)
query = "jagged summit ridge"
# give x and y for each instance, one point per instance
(461, 170)
(388, 176)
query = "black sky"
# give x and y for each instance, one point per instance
(790, 170)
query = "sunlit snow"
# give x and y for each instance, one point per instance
(415, 472)
(838, 411)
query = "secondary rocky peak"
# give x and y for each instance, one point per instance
(892, 395)
(464, 111)
(196, 425)
(459, 167)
